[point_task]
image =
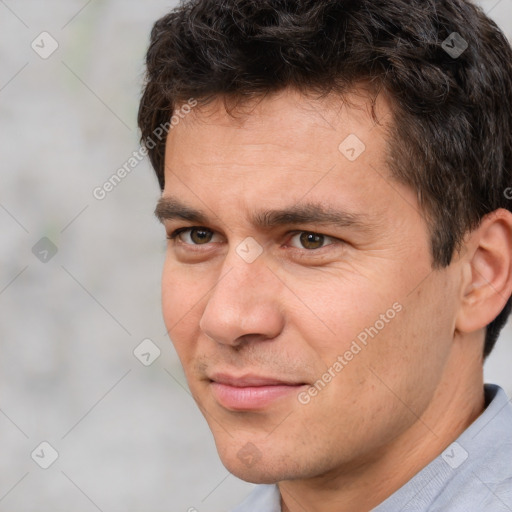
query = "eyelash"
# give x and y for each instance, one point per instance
(178, 232)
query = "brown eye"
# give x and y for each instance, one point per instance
(194, 236)
(200, 235)
(311, 240)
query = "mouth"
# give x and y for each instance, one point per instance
(251, 392)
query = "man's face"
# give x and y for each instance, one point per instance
(299, 293)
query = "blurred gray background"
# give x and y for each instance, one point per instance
(80, 278)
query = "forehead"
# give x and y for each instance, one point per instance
(287, 115)
(283, 148)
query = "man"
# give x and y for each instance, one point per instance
(335, 190)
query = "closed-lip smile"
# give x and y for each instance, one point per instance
(250, 392)
(250, 380)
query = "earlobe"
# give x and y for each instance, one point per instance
(487, 272)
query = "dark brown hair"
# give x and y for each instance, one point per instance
(451, 135)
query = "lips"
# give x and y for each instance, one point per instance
(250, 392)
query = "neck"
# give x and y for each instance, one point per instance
(362, 485)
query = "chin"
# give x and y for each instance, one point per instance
(258, 474)
(251, 465)
(254, 476)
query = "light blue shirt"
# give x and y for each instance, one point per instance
(474, 474)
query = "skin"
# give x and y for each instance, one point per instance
(416, 385)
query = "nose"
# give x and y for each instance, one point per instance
(244, 304)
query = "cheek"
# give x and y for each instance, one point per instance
(430, 321)
(183, 286)
(380, 341)
(181, 307)
(408, 356)
(341, 310)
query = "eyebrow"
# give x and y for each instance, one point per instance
(169, 208)
(308, 213)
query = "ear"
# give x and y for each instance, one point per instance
(487, 272)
